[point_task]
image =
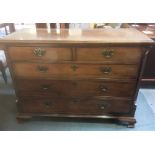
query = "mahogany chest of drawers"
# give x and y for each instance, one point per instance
(77, 73)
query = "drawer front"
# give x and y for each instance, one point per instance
(36, 70)
(57, 88)
(116, 54)
(40, 53)
(75, 106)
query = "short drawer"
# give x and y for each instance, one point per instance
(75, 106)
(37, 70)
(89, 88)
(112, 54)
(39, 53)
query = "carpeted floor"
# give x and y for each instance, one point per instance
(144, 115)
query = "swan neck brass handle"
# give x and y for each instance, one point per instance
(104, 105)
(39, 52)
(45, 87)
(103, 88)
(106, 70)
(42, 69)
(108, 53)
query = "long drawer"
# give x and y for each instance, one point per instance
(40, 70)
(69, 88)
(39, 53)
(113, 54)
(74, 106)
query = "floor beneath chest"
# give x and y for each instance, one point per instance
(149, 94)
(144, 115)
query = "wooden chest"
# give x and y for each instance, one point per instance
(77, 73)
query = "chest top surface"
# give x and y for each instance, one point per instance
(122, 35)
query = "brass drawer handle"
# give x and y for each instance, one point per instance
(42, 69)
(74, 67)
(104, 105)
(103, 88)
(39, 52)
(108, 53)
(106, 70)
(45, 87)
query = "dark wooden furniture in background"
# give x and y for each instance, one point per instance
(3, 64)
(3, 70)
(11, 27)
(148, 78)
(84, 73)
(52, 25)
